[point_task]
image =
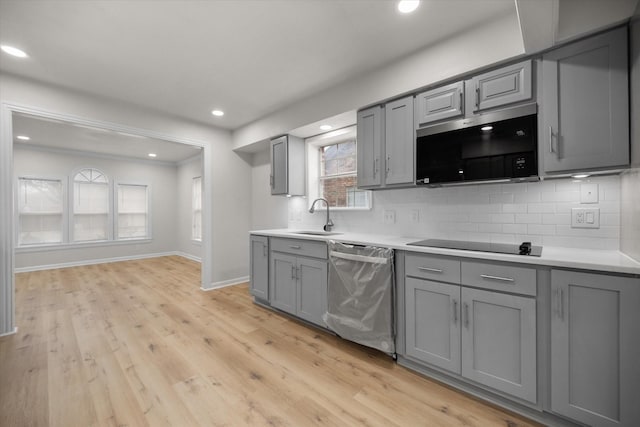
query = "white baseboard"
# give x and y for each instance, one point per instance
(15, 331)
(189, 256)
(225, 283)
(92, 261)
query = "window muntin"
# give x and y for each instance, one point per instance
(132, 211)
(337, 178)
(40, 211)
(90, 206)
(196, 209)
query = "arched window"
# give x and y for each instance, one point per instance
(90, 206)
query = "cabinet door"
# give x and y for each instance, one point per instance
(283, 282)
(279, 166)
(585, 104)
(440, 103)
(399, 141)
(499, 342)
(312, 290)
(260, 267)
(369, 140)
(500, 87)
(432, 319)
(595, 348)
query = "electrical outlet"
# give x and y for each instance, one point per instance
(389, 216)
(415, 215)
(585, 218)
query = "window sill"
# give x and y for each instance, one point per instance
(196, 242)
(80, 245)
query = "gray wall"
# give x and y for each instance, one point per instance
(230, 175)
(185, 174)
(630, 183)
(163, 193)
(267, 211)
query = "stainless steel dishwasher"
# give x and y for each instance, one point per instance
(360, 306)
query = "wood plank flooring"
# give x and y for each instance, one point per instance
(138, 343)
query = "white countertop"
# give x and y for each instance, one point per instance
(585, 259)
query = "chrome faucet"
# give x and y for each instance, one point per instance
(329, 224)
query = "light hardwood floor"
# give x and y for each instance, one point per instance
(138, 343)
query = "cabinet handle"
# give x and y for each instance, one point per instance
(461, 103)
(466, 315)
(264, 250)
(562, 304)
(294, 246)
(432, 270)
(375, 167)
(271, 180)
(388, 167)
(502, 279)
(477, 98)
(551, 139)
(293, 272)
(455, 311)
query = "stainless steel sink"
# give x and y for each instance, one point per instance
(316, 233)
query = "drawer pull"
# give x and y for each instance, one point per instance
(432, 270)
(502, 279)
(294, 246)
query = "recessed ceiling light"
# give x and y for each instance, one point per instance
(218, 113)
(326, 127)
(580, 175)
(486, 128)
(408, 6)
(152, 155)
(23, 137)
(13, 51)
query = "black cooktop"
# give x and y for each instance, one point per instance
(525, 248)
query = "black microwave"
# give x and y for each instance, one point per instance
(497, 146)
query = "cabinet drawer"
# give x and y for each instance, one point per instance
(499, 277)
(432, 268)
(300, 247)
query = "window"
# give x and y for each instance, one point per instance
(40, 211)
(196, 208)
(337, 181)
(90, 206)
(132, 211)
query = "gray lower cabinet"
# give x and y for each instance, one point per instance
(298, 278)
(259, 278)
(485, 336)
(499, 341)
(595, 348)
(433, 323)
(585, 104)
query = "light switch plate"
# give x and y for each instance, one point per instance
(585, 218)
(389, 216)
(588, 193)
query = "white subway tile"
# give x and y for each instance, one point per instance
(489, 228)
(545, 229)
(534, 218)
(603, 232)
(528, 197)
(541, 208)
(556, 219)
(502, 198)
(514, 208)
(608, 219)
(503, 218)
(514, 228)
(503, 238)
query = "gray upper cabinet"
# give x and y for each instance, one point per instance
(259, 279)
(399, 142)
(444, 102)
(433, 323)
(370, 134)
(506, 85)
(585, 104)
(499, 342)
(595, 348)
(287, 166)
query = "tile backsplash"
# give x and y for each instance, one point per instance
(539, 212)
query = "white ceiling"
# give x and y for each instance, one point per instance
(53, 134)
(247, 57)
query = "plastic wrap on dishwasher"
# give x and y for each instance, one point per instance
(360, 304)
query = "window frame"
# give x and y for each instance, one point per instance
(195, 211)
(116, 210)
(72, 214)
(314, 165)
(65, 214)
